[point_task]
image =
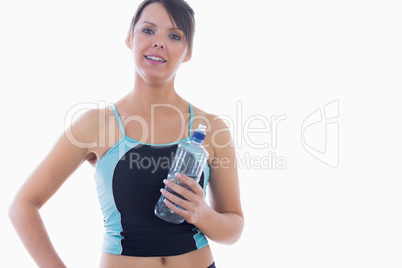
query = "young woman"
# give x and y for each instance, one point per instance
(141, 132)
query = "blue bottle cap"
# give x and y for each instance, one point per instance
(199, 133)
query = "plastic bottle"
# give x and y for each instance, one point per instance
(190, 159)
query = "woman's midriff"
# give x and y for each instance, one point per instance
(200, 258)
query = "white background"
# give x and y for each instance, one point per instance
(274, 58)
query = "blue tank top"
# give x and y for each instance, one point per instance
(128, 179)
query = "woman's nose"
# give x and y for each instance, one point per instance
(159, 44)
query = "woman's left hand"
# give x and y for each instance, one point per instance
(195, 209)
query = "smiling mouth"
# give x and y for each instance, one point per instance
(155, 58)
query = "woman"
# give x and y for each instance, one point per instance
(141, 131)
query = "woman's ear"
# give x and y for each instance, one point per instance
(129, 40)
(188, 57)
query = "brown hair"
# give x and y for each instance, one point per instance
(180, 13)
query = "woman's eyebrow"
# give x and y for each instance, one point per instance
(153, 24)
(148, 23)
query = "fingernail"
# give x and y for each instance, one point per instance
(165, 181)
(178, 175)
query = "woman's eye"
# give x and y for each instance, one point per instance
(147, 31)
(175, 37)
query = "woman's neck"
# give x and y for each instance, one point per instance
(144, 95)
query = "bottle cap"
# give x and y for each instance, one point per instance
(199, 133)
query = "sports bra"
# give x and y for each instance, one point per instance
(128, 179)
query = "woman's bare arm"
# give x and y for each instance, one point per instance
(223, 221)
(59, 164)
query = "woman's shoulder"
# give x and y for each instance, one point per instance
(212, 121)
(86, 128)
(218, 131)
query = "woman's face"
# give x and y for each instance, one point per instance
(158, 46)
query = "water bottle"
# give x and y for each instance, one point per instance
(190, 159)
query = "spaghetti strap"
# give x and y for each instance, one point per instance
(191, 120)
(116, 114)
